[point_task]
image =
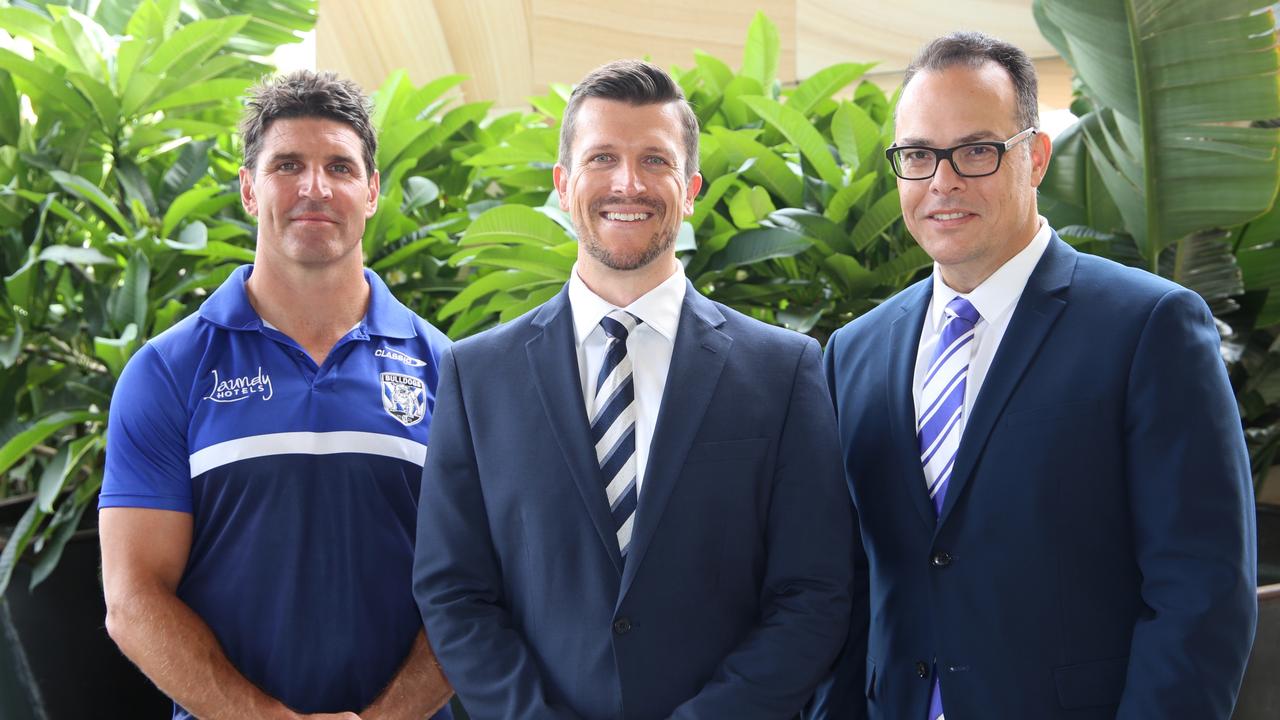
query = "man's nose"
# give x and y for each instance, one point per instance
(627, 180)
(314, 185)
(946, 179)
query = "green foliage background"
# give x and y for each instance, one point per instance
(119, 210)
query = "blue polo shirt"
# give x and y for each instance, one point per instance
(302, 481)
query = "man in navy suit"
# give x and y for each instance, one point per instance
(1043, 451)
(632, 503)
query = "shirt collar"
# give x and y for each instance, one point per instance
(998, 293)
(659, 308)
(229, 307)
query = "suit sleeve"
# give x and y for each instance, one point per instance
(805, 594)
(456, 579)
(842, 695)
(1193, 520)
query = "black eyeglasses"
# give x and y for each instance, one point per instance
(976, 159)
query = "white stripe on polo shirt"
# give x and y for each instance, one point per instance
(306, 443)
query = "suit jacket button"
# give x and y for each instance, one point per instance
(622, 626)
(941, 559)
(922, 669)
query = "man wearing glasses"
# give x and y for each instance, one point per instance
(1042, 448)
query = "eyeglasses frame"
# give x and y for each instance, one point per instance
(941, 154)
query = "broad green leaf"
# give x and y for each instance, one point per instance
(127, 303)
(714, 70)
(191, 165)
(760, 56)
(193, 238)
(43, 82)
(18, 539)
(753, 246)
(184, 205)
(166, 315)
(513, 224)
(545, 261)
(1175, 77)
(115, 352)
(55, 473)
(219, 90)
(749, 206)
(136, 188)
(493, 282)
(93, 195)
(855, 134)
(883, 213)
(419, 193)
(768, 169)
(847, 196)
(9, 348)
(712, 193)
(40, 430)
(61, 532)
(63, 254)
(823, 84)
(797, 129)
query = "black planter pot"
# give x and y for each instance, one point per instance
(1268, 544)
(56, 660)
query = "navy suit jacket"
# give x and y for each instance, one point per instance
(1095, 553)
(734, 600)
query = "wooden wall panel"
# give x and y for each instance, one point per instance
(489, 40)
(834, 31)
(365, 41)
(570, 37)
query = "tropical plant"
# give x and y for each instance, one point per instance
(798, 223)
(118, 212)
(1167, 170)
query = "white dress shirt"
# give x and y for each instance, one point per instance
(649, 346)
(994, 300)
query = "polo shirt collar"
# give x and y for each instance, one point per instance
(229, 307)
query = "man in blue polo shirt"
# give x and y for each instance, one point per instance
(264, 455)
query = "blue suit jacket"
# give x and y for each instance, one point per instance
(734, 601)
(1094, 557)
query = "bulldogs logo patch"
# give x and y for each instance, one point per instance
(404, 397)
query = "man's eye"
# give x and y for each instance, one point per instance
(978, 151)
(288, 166)
(602, 157)
(917, 156)
(656, 160)
(341, 168)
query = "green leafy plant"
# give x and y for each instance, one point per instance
(1167, 170)
(798, 223)
(119, 211)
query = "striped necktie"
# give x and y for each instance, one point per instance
(942, 417)
(613, 426)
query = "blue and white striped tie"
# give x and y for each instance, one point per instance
(941, 418)
(613, 426)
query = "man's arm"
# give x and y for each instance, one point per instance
(842, 696)
(144, 552)
(417, 691)
(805, 597)
(1193, 520)
(456, 578)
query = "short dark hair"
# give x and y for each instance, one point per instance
(975, 49)
(638, 83)
(302, 94)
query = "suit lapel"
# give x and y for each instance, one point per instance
(554, 361)
(698, 357)
(1032, 319)
(904, 340)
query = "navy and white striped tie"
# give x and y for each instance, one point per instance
(941, 419)
(613, 425)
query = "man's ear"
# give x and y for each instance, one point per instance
(1041, 151)
(691, 192)
(375, 187)
(247, 197)
(560, 175)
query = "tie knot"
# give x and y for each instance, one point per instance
(964, 310)
(618, 324)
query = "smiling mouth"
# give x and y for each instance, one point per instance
(626, 217)
(948, 215)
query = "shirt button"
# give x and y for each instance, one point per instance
(941, 559)
(922, 669)
(622, 626)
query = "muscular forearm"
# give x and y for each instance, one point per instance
(176, 649)
(418, 690)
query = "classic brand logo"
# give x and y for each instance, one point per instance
(388, 353)
(404, 397)
(235, 389)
